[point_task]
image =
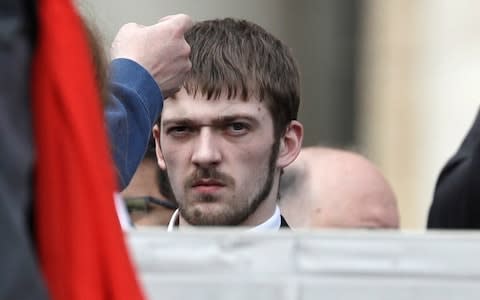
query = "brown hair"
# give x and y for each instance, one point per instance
(240, 58)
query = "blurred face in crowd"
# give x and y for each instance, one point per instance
(329, 188)
(221, 157)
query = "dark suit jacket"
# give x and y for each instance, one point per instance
(19, 272)
(283, 223)
(456, 202)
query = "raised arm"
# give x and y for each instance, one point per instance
(149, 64)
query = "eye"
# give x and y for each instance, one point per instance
(179, 130)
(237, 128)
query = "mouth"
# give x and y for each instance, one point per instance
(207, 186)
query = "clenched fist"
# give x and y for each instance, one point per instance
(161, 49)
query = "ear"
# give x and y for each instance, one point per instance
(158, 149)
(290, 144)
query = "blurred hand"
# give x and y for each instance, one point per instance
(161, 49)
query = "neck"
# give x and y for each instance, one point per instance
(264, 211)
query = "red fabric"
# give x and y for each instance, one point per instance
(81, 248)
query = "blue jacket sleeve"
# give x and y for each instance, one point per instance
(136, 103)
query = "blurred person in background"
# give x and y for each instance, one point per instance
(149, 197)
(328, 188)
(18, 39)
(146, 204)
(456, 203)
(47, 175)
(74, 241)
(148, 65)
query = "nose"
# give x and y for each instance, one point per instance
(206, 151)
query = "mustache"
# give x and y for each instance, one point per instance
(208, 174)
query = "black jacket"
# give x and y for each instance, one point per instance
(20, 277)
(283, 223)
(456, 201)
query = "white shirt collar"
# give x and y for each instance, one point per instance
(173, 221)
(273, 223)
(122, 212)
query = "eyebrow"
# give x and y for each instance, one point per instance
(221, 120)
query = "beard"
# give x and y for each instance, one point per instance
(237, 210)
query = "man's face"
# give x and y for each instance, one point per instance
(220, 156)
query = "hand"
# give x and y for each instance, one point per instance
(161, 49)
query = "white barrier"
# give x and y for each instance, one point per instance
(234, 264)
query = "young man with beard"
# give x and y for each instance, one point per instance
(226, 136)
